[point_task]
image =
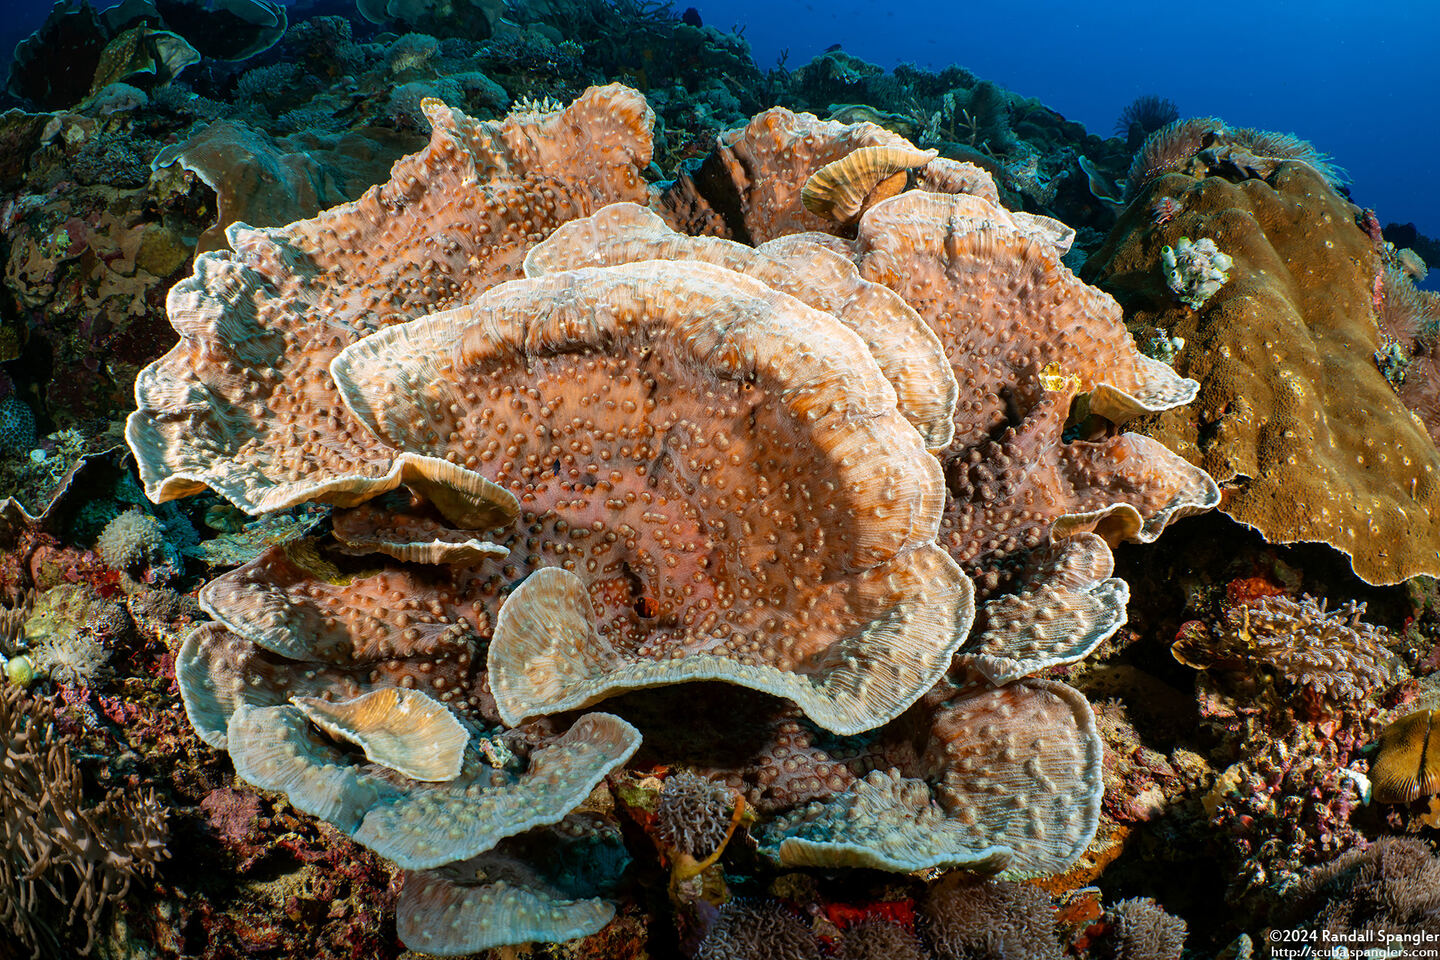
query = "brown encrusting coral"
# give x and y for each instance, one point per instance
(657, 459)
(1293, 408)
(65, 858)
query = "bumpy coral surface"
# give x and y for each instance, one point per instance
(751, 186)
(425, 240)
(1293, 408)
(648, 462)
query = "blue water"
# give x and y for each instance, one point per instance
(1360, 80)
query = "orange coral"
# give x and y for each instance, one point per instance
(750, 187)
(655, 459)
(453, 220)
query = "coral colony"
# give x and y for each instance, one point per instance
(471, 494)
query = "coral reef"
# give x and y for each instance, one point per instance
(760, 409)
(263, 181)
(848, 607)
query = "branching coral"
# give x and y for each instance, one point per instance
(65, 858)
(657, 459)
(1321, 661)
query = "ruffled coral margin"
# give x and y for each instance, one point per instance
(661, 458)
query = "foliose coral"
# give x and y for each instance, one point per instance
(1195, 271)
(653, 459)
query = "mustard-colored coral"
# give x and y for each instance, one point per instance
(1294, 408)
